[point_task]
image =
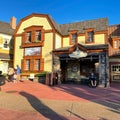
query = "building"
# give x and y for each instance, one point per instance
(114, 52)
(6, 44)
(72, 50)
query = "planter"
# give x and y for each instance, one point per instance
(42, 79)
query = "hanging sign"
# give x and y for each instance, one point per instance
(78, 54)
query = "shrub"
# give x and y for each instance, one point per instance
(42, 74)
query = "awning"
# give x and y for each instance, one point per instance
(4, 56)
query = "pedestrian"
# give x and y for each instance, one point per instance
(93, 79)
(18, 73)
(15, 76)
(10, 74)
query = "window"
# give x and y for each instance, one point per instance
(27, 65)
(116, 44)
(6, 43)
(28, 37)
(33, 64)
(74, 38)
(33, 34)
(90, 37)
(115, 68)
(32, 51)
(38, 35)
(37, 64)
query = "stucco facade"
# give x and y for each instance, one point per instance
(52, 51)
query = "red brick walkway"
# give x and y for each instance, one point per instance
(65, 92)
(62, 91)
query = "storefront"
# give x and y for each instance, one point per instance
(75, 63)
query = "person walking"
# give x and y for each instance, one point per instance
(18, 73)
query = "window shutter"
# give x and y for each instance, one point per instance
(41, 64)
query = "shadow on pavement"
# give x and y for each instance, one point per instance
(41, 108)
(109, 97)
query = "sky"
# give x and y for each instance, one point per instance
(62, 11)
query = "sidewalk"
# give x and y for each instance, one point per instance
(35, 101)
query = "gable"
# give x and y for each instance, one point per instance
(34, 20)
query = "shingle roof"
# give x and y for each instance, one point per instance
(57, 27)
(99, 25)
(6, 28)
(114, 30)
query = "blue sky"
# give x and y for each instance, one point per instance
(62, 11)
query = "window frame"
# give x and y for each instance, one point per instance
(117, 46)
(71, 33)
(115, 68)
(28, 36)
(91, 30)
(33, 30)
(6, 42)
(32, 64)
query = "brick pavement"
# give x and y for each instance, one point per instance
(30, 100)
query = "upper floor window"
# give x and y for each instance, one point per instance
(116, 44)
(33, 34)
(6, 43)
(89, 36)
(28, 37)
(38, 35)
(73, 37)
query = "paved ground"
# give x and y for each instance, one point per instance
(28, 100)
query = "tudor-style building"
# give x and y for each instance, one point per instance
(72, 50)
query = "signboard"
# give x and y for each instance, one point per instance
(78, 54)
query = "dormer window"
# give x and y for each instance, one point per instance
(73, 37)
(89, 36)
(116, 44)
(6, 43)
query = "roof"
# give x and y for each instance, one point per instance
(83, 47)
(5, 28)
(57, 27)
(114, 30)
(96, 47)
(98, 24)
(71, 48)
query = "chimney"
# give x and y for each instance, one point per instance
(13, 22)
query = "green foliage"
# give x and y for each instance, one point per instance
(42, 74)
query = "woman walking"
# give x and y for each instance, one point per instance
(18, 73)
